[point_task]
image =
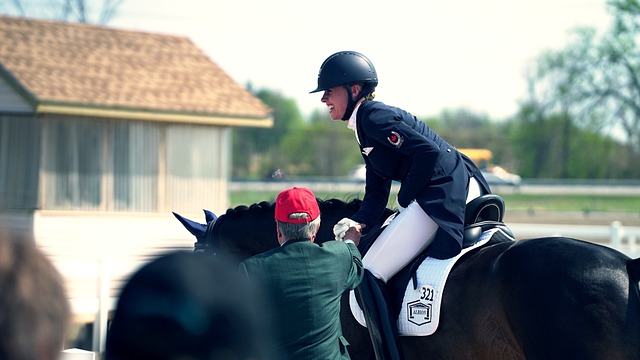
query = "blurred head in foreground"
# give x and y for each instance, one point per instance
(34, 310)
(185, 305)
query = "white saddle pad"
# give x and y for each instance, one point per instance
(420, 312)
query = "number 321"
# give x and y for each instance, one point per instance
(427, 293)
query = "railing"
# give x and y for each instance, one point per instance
(625, 239)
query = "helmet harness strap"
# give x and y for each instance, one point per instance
(351, 103)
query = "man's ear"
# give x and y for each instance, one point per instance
(313, 238)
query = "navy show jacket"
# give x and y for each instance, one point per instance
(396, 146)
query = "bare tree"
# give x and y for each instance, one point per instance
(84, 11)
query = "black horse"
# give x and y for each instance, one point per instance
(544, 298)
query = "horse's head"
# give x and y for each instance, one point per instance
(245, 231)
(200, 231)
(239, 233)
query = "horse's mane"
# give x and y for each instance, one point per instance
(266, 206)
(257, 208)
(337, 204)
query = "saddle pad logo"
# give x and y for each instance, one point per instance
(395, 139)
(419, 312)
(367, 150)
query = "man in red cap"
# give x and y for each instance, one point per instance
(305, 281)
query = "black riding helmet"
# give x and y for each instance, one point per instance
(347, 68)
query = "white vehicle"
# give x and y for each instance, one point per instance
(359, 174)
(499, 176)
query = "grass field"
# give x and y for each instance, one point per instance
(514, 202)
(605, 203)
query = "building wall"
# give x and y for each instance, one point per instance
(97, 194)
(88, 164)
(90, 247)
(10, 101)
(19, 162)
(17, 222)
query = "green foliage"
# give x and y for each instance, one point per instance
(462, 128)
(293, 147)
(595, 80)
(626, 16)
(547, 138)
(321, 149)
(555, 147)
(256, 151)
(579, 96)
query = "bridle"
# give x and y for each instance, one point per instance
(205, 244)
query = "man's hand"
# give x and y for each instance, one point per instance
(354, 233)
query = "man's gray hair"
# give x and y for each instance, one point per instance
(299, 231)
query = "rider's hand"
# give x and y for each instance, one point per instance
(340, 229)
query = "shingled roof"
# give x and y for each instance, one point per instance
(91, 70)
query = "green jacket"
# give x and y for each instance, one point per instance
(304, 282)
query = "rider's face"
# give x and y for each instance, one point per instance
(336, 100)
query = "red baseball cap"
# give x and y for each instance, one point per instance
(296, 200)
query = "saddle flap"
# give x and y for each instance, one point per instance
(418, 307)
(473, 232)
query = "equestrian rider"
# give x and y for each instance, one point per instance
(436, 183)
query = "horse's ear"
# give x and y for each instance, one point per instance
(198, 230)
(209, 216)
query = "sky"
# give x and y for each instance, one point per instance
(429, 55)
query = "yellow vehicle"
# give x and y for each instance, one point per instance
(495, 175)
(481, 157)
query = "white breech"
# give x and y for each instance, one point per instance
(404, 238)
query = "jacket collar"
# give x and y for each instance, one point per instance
(294, 241)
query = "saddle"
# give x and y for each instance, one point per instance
(481, 214)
